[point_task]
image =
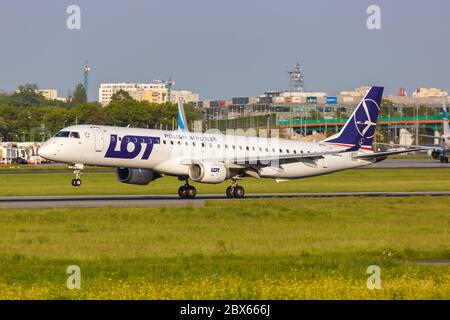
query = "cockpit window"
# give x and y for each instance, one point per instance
(63, 134)
(67, 134)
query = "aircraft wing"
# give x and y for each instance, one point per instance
(383, 154)
(434, 147)
(427, 136)
(264, 160)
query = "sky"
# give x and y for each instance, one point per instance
(224, 49)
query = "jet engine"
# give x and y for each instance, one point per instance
(208, 173)
(136, 176)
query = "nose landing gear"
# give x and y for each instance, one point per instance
(77, 181)
(235, 191)
(187, 191)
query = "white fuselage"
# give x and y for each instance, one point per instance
(170, 152)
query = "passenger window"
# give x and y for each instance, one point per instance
(164, 141)
(171, 142)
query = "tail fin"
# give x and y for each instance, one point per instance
(359, 130)
(445, 120)
(182, 122)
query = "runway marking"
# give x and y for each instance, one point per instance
(173, 200)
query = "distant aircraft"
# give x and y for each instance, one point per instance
(143, 155)
(440, 151)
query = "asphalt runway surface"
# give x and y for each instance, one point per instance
(173, 200)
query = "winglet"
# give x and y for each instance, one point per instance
(182, 122)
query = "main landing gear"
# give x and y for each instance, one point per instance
(77, 181)
(187, 191)
(444, 158)
(235, 191)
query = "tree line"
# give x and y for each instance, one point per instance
(28, 115)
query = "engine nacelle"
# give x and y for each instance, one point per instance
(136, 176)
(208, 173)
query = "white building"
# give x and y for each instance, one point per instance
(184, 95)
(152, 92)
(49, 94)
(12, 151)
(429, 93)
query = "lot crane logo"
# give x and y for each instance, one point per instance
(363, 120)
(135, 142)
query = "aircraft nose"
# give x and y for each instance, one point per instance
(45, 151)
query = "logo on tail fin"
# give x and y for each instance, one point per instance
(363, 120)
(359, 130)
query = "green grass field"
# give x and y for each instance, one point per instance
(248, 249)
(46, 167)
(346, 181)
(237, 249)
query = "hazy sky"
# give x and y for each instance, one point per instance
(224, 49)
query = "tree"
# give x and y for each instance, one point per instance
(27, 95)
(387, 108)
(79, 95)
(121, 95)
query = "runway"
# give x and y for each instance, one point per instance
(173, 200)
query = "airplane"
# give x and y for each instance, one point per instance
(438, 152)
(141, 156)
(442, 151)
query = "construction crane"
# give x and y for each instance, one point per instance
(168, 83)
(86, 70)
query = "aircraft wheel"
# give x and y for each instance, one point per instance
(77, 182)
(182, 192)
(191, 192)
(73, 183)
(446, 159)
(230, 192)
(239, 192)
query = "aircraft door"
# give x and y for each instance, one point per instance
(325, 161)
(99, 139)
